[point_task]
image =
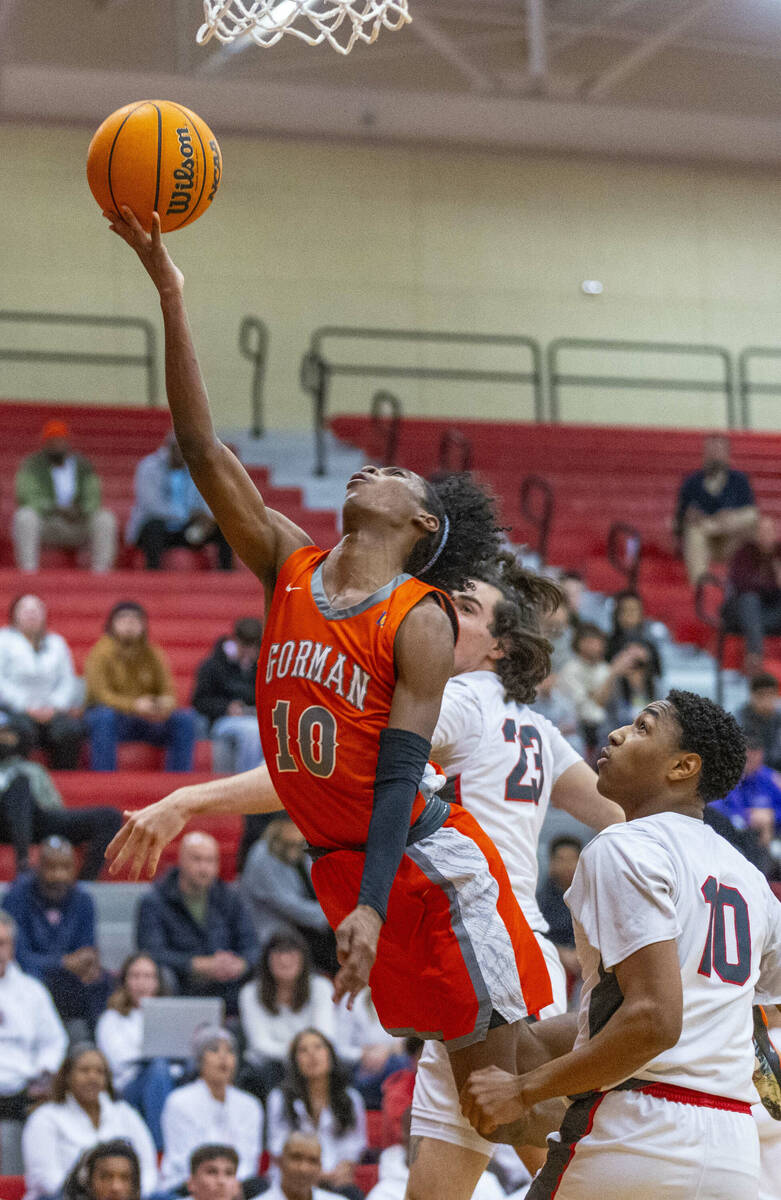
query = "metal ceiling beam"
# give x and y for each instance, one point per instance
(605, 83)
(447, 47)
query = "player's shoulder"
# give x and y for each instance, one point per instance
(626, 839)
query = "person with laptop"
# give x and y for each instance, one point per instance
(196, 925)
(143, 1081)
(212, 1110)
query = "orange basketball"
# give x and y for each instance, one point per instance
(155, 156)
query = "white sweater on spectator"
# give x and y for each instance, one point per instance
(32, 1039)
(120, 1038)
(359, 1028)
(275, 1193)
(335, 1147)
(269, 1034)
(394, 1173)
(30, 678)
(579, 680)
(56, 1134)
(191, 1117)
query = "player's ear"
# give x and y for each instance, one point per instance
(426, 522)
(685, 766)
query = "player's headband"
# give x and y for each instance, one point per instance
(440, 547)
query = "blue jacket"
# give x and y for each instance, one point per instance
(40, 944)
(760, 790)
(168, 932)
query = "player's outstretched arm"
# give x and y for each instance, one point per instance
(424, 662)
(147, 832)
(261, 537)
(647, 1022)
(575, 792)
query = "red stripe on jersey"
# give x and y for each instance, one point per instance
(682, 1095)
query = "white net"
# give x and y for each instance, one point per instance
(340, 23)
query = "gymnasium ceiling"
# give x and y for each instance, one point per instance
(679, 79)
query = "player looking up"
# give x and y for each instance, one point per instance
(355, 656)
(676, 931)
(507, 764)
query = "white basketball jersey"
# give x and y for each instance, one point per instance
(505, 759)
(671, 877)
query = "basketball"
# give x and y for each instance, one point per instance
(155, 155)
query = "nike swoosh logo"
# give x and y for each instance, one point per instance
(292, 589)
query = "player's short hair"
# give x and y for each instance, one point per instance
(566, 839)
(468, 535)
(707, 730)
(210, 1152)
(526, 598)
(763, 681)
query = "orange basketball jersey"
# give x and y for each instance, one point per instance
(324, 688)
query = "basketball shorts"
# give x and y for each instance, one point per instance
(455, 947)
(436, 1110)
(613, 1145)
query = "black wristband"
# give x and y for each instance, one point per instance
(400, 765)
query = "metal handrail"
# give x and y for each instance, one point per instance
(257, 353)
(627, 563)
(725, 387)
(714, 621)
(317, 371)
(148, 359)
(458, 440)
(391, 426)
(535, 485)
(747, 389)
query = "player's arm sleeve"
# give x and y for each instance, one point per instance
(768, 989)
(623, 894)
(459, 727)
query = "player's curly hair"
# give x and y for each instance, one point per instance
(526, 598)
(707, 730)
(469, 533)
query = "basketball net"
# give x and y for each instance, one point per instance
(340, 23)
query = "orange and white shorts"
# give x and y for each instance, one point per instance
(455, 947)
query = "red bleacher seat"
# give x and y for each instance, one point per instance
(366, 1176)
(12, 1187)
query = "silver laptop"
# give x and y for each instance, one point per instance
(171, 1022)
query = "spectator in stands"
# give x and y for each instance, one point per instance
(300, 1168)
(590, 681)
(584, 606)
(275, 886)
(284, 998)
(564, 854)
(315, 1098)
(362, 1043)
(58, 494)
(120, 1033)
(211, 1110)
(168, 510)
(213, 1173)
(559, 629)
(760, 718)
(32, 1039)
(56, 941)
(630, 628)
(109, 1171)
(556, 705)
(83, 1111)
(754, 810)
(132, 695)
(716, 511)
(225, 695)
(31, 808)
(38, 686)
(753, 605)
(196, 925)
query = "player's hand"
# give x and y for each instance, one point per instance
(146, 833)
(356, 950)
(159, 265)
(490, 1098)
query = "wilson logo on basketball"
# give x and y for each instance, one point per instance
(217, 163)
(184, 174)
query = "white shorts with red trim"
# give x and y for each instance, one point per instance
(627, 1144)
(436, 1111)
